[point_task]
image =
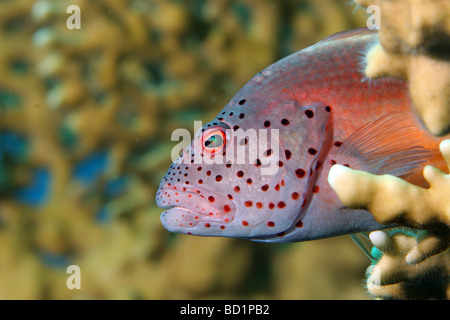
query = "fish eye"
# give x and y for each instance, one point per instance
(213, 140)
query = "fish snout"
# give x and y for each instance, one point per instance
(189, 209)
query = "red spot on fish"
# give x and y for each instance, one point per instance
(271, 224)
(295, 196)
(240, 173)
(328, 108)
(241, 116)
(333, 162)
(316, 189)
(280, 164)
(300, 173)
(208, 173)
(244, 223)
(288, 154)
(207, 225)
(312, 151)
(268, 152)
(271, 205)
(211, 199)
(228, 165)
(199, 169)
(265, 187)
(237, 189)
(299, 224)
(267, 123)
(277, 187)
(309, 113)
(259, 205)
(200, 181)
(281, 205)
(222, 227)
(235, 128)
(218, 178)
(248, 203)
(230, 197)
(242, 102)
(226, 208)
(338, 143)
(285, 122)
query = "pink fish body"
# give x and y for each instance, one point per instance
(325, 111)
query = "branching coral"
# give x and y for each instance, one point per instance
(410, 265)
(415, 42)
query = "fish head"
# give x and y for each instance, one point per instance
(247, 173)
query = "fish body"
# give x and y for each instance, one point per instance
(318, 109)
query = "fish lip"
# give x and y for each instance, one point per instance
(191, 207)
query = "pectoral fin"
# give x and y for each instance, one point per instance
(391, 144)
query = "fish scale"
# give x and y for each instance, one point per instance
(313, 109)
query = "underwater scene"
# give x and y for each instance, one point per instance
(92, 92)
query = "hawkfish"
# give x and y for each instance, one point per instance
(312, 109)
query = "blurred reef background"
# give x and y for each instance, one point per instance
(86, 118)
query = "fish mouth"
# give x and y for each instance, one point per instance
(188, 208)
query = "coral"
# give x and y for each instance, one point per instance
(409, 265)
(415, 40)
(393, 200)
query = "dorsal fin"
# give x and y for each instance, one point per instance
(391, 144)
(346, 34)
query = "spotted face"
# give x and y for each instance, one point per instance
(245, 174)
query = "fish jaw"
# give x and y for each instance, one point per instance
(191, 212)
